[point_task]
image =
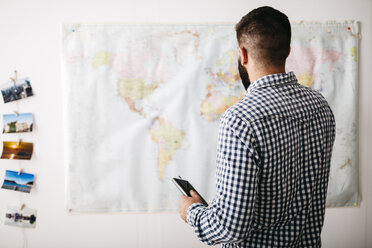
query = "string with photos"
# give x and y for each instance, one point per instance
(20, 170)
(16, 112)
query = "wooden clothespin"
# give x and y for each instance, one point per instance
(22, 206)
(19, 142)
(20, 172)
(16, 113)
(14, 79)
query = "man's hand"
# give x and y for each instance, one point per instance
(186, 202)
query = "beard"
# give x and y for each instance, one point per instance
(243, 75)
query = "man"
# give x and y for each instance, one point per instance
(274, 150)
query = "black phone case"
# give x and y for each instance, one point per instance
(186, 187)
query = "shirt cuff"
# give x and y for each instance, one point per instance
(192, 213)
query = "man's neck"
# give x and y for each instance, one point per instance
(256, 74)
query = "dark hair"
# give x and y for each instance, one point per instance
(266, 34)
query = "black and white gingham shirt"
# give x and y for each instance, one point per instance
(274, 152)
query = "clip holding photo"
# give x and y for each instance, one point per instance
(14, 79)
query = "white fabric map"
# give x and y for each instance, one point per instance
(142, 105)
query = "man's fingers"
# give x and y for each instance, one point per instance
(194, 194)
(186, 202)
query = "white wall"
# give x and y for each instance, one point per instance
(30, 42)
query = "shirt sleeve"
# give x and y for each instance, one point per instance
(228, 218)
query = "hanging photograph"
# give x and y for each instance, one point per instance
(16, 90)
(22, 182)
(26, 217)
(13, 123)
(17, 150)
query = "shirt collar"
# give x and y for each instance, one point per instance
(272, 80)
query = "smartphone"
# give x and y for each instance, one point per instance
(185, 187)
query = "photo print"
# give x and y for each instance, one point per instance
(22, 182)
(17, 150)
(26, 217)
(17, 90)
(13, 123)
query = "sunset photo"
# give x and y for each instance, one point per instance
(17, 150)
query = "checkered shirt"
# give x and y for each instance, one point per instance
(273, 161)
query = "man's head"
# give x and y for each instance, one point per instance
(264, 35)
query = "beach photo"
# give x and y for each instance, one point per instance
(26, 217)
(17, 150)
(22, 182)
(14, 91)
(13, 123)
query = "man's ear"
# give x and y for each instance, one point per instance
(243, 55)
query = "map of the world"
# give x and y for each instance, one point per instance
(142, 105)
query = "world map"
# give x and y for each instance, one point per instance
(136, 90)
(143, 103)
